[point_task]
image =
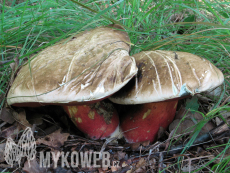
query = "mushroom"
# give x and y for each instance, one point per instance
(82, 69)
(163, 78)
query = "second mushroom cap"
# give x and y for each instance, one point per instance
(164, 75)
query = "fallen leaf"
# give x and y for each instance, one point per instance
(135, 146)
(55, 139)
(34, 167)
(7, 116)
(145, 143)
(141, 163)
(183, 127)
(21, 118)
(181, 113)
(11, 131)
(140, 166)
(190, 120)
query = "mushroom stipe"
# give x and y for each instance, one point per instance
(143, 123)
(97, 121)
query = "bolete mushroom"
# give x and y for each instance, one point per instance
(82, 69)
(163, 77)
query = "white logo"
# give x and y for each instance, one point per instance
(26, 147)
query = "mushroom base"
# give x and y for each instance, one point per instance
(142, 124)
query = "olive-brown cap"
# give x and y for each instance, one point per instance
(164, 75)
(86, 67)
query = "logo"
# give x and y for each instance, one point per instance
(26, 147)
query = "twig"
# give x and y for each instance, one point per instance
(225, 101)
(4, 62)
(160, 164)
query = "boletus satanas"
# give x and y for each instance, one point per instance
(81, 70)
(163, 78)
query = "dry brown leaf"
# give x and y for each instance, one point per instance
(180, 114)
(140, 166)
(6, 115)
(188, 122)
(21, 118)
(145, 143)
(182, 127)
(34, 167)
(55, 139)
(141, 163)
(11, 131)
(135, 146)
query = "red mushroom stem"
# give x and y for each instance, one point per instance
(143, 123)
(97, 121)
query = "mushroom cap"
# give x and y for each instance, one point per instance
(85, 67)
(164, 75)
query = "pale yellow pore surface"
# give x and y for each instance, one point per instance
(72, 111)
(85, 67)
(164, 75)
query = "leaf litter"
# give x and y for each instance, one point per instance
(53, 134)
